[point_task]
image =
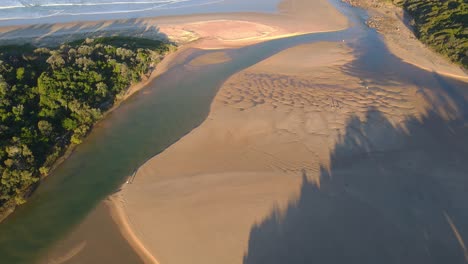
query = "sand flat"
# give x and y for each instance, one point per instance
(267, 127)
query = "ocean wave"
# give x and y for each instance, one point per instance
(77, 4)
(163, 6)
(166, 4)
(28, 17)
(10, 7)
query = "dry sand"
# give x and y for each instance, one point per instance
(198, 200)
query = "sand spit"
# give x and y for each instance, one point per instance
(269, 125)
(232, 174)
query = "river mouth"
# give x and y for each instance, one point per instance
(156, 117)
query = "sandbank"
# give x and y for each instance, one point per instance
(292, 124)
(268, 126)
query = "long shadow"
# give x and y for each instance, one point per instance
(376, 66)
(400, 197)
(390, 194)
(49, 35)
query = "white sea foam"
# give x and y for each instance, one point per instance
(66, 3)
(34, 9)
(28, 17)
(162, 6)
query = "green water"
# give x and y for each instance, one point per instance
(143, 126)
(140, 128)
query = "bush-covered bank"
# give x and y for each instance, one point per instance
(51, 97)
(443, 25)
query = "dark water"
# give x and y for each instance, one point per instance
(170, 107)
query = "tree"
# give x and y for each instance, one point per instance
(20, 74)
(45, 127)
(56, 60)
(51, 98)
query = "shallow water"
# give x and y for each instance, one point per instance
(150, 121)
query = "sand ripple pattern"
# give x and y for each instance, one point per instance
(317, 93)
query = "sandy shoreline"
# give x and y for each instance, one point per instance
(117, 209)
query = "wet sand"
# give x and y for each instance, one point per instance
(78, 248)
(208, 59)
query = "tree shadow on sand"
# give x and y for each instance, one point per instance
(390, 195)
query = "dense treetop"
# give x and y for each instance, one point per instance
(51, 97)
(442, 24)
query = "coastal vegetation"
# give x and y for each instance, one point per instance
(51, 97)
(443, 25)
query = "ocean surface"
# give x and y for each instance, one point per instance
(13, 12)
